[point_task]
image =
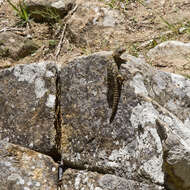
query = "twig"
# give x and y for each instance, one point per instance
(65, 19)
(64, 26)
(60, 42)
(71, 12)
(10, 29)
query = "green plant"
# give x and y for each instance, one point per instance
(47, 14)
(52, 44)
(4, 52)
(112, 4)
(118, 4)
(186, 27)
(133, 49)
(21, 11)
(153, 44)
(172, 27)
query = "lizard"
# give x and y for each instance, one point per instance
(114, 80)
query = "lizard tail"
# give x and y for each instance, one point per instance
(118, 81)
(115, 99)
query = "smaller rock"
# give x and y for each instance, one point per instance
(169, 48)
(51, 10)
(15, 46)
(97, 24)
(28, 48)
(172, 56)
(23, 169)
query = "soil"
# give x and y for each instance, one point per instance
(147, 24)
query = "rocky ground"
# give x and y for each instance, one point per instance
(55, 108)
(99, 25)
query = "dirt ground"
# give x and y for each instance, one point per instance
(147, 24)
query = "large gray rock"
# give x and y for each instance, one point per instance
(145, 147)
(132, 146)
(27, 105)
(129, 147)
(24, 169)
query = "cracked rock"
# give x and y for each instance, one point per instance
(19, 48)
(89, 141)
(27, 105)
(132, 146)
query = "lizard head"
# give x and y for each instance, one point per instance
(116, 55)
(118, 52)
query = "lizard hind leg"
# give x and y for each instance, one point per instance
(120, 79)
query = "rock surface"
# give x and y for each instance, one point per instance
(24, 169)
(132, 146)
(27, 105)
(147, 145)
(78, 180)
(90, 142)
(49, 108)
